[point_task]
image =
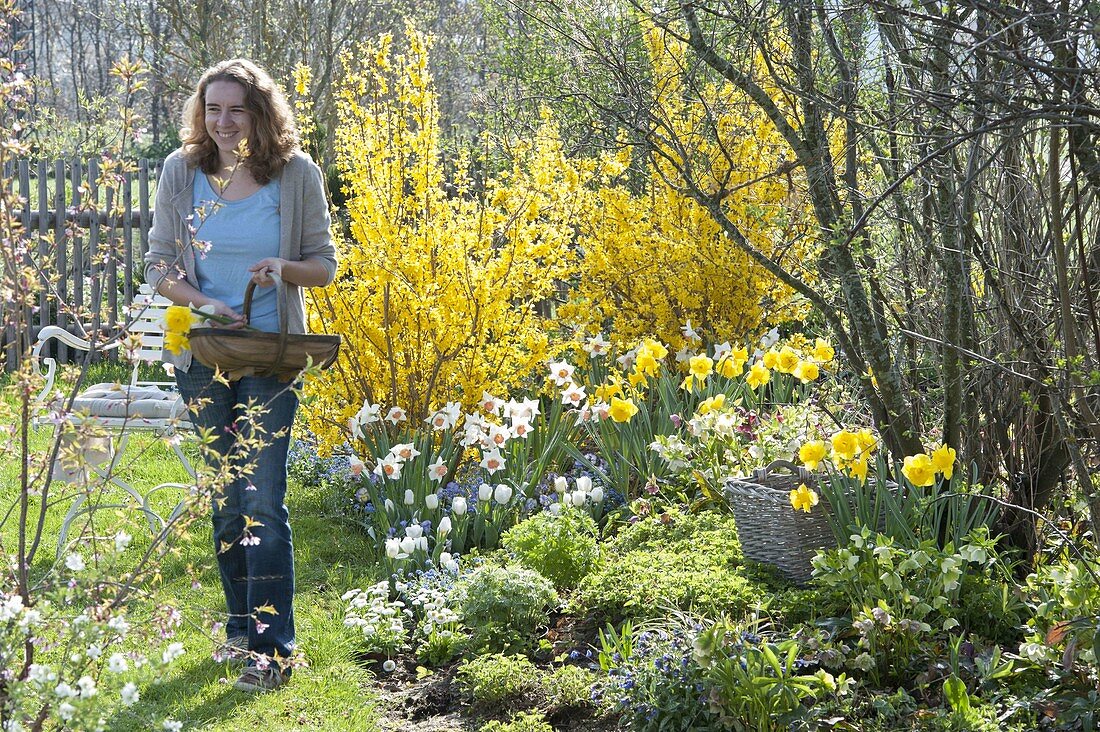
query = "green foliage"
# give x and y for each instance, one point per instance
(562, 548)
(521, 722)
(568, 686)
(504, 606)
(494, 678)
(673, 560)
(755, 683)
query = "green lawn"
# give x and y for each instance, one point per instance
(332, 693)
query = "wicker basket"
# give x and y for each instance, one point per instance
(253, 353)
(771, 531)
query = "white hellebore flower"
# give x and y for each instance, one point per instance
(458, 506)
(492, 461)
(431, 501)
(75, 562)
(130, 694)
(502, 494)
(437, 471)
(561, 372)
(395, 415)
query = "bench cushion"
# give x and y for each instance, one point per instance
(124, 400)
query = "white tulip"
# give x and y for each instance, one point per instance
(584, 483)
(554, 508)
(502, 494)
(458, 506)
(414, 531)
(393, 548)
(484, 492)
(410, 498)
(431, 501)
(597, 494)
(444, 525)
(408, 545)
(561, 485)
(389, 506)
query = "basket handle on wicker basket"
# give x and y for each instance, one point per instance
(804, 475)
(280, 289)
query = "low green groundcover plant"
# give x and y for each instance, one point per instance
(672, 560)
(496, 678)
(521, 722)
(562, 548)
(504, 606)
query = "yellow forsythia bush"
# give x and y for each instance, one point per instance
(436, 288)
(654, 259)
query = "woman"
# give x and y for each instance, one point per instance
(240, 201)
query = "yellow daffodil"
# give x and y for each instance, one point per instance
(733, 363)
(635, 378)
(605, 391)
(688, 384)
(823, 352)
(867, 441)
(812, 453)
(646, 363)
(701, 366)
(806, 371)
(178, 319)
(714, 403)
(770, 359)
(918, 469)
(656, 348)
(943, 461)
(758, 376)
(176, 343)
(803, 498)
(787, 360)
(622, 409)
(845, 444)
(858, 468)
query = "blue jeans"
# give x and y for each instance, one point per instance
(256, 563)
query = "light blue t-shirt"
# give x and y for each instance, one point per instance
(240, 234)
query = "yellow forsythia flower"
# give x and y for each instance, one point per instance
(943, 461)
(787, 360)
(178, 319)
(845, 444)
(918, 469)
(806, 371)
(812, 453)
(823, 352)
(622, 409)
(803, 498)
(758, 375)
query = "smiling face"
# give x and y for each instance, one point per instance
(228, 120)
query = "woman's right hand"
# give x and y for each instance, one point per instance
(223, 310)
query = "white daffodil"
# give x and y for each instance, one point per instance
(404, 451)
(490, 403)
(492, 461)
(368, 414)
(389, 467)
(722, 349)
(499, 435)
(561, 372)
(689, 332)
(520, 428)
(356, 466)
(596, 345)
(437, 470)
(573, 395)
(396, 415)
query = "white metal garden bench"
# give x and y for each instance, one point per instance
(120, 409)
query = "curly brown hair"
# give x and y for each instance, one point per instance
(275, 136)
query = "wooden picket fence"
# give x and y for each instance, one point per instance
(92, 238)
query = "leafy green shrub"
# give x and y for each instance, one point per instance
(522, 722)
(504, 606)
(561, 548)
(673, 560)
(495, 678)
(568, 686)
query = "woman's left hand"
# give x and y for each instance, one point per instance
(262, 271)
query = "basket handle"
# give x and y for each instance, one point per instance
(280, 289)
(804, 475)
